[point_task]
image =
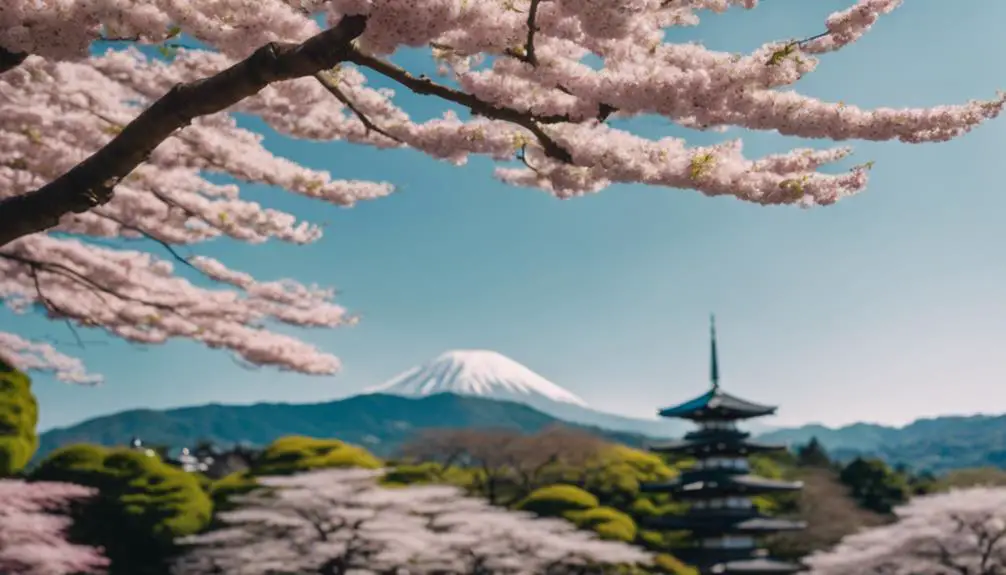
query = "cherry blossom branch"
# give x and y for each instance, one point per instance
(74, 276)
(527, 54)
(54, 309)
(90, 183)
(174, 253)
(425, 87)
(331, 84)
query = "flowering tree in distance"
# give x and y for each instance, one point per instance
(961, 532)
(121, 146)
(33, 530)
(340, 521)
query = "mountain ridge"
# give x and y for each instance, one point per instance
(380, 422)
(935, 444)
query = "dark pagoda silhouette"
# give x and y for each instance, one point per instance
(723, 522)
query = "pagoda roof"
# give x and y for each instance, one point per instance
(717, 404)
(724, 483)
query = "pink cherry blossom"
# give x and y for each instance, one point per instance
(310, 522)
(961, 531)
(33, 528)
(532, 96)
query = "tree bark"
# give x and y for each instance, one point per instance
(91, 183)
(10, 60)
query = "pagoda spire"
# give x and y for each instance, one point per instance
(714, 364)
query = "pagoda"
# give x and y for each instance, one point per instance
(722, 520)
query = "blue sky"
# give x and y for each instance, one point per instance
(885, 307)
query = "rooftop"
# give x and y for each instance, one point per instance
(716, 403)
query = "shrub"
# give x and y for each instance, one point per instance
(143, 504)
(294, 453)
(557, 500)
(18, 418)
(608, 523)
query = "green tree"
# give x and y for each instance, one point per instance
(143, 505)
(874, 485)
(18, 418)
(295, 453)
(615, 473)
(813, 454)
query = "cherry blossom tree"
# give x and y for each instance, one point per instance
(33, 528)
(120, 146)
(340, 521)
(961, 532)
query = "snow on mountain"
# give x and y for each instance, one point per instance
(481, 373)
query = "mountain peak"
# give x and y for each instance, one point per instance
(478, 372)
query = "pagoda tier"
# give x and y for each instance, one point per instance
(719, 485)
(703, 524)
(756, 566)
(704, 444)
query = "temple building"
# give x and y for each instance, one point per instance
(723, 522)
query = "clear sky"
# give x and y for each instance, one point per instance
(885, 307)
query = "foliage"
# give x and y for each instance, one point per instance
(147, 148)
(142, 506)
(342, 520)
(608, 523)
(617, 471)
(34, 520)
(428, 473)
(827, 509)
(958, 532)
(224, 489)
(664, 563)
(18, 418)
(557, 500)
(293, 454)
(874, 485)
(813, 454)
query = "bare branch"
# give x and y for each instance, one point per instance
(90, 183)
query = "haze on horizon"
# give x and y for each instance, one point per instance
(886, 307)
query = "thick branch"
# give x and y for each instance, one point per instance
(10, 60)
(91, 182)
(426, 87)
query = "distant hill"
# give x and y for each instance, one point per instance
(936, 444)
(378, 421)
(382, 422)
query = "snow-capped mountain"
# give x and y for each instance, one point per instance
(492, 375)
(477, 372)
